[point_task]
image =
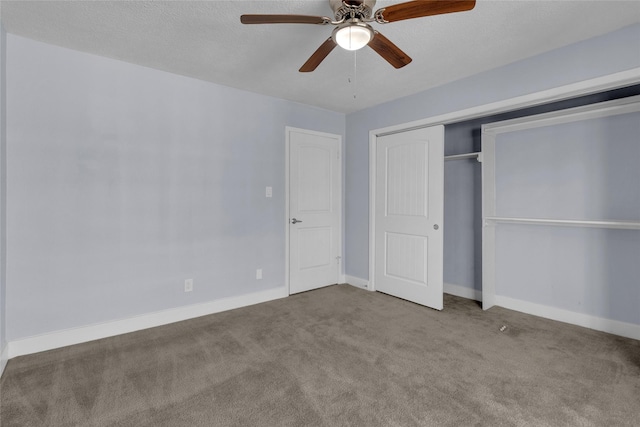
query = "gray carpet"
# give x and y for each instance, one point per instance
(338, 356)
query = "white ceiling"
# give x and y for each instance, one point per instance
(205, 40)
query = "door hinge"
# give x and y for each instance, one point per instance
(338, 258)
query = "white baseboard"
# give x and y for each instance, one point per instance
(357, 282)
(462, 291)
(4, 358)
(82, 334)
(615, 327)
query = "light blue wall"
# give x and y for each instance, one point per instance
(125, 181)
(607, 54)
(3, 192)
(586, 170)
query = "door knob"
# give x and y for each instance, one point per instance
(295, 221)
(435, 226)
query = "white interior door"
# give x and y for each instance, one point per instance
(409, 199)
(314, 209)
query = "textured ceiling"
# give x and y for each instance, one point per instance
(205, 40)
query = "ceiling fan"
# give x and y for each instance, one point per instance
(353, 32)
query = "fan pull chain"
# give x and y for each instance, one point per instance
(355, 74)
(354, 80)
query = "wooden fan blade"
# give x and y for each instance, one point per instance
(283, 19)
(420, 8)
(318, 56)
(389, 51)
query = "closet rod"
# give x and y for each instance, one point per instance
(625, 225)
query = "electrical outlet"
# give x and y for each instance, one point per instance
(269, 192)
(259, 274)
(188, 285)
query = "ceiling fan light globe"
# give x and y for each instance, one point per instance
(353, 37)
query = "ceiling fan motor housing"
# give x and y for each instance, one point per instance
(343, 9)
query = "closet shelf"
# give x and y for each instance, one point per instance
(625, 225)
(464, 156)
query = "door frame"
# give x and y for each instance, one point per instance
(287, 153)
(598, 84)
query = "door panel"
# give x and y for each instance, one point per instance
(315, 247)
(315, 203)
(407, 180)
(406, 257)
(409, 215)
(313, 165)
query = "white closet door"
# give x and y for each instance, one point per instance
(409, 215)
